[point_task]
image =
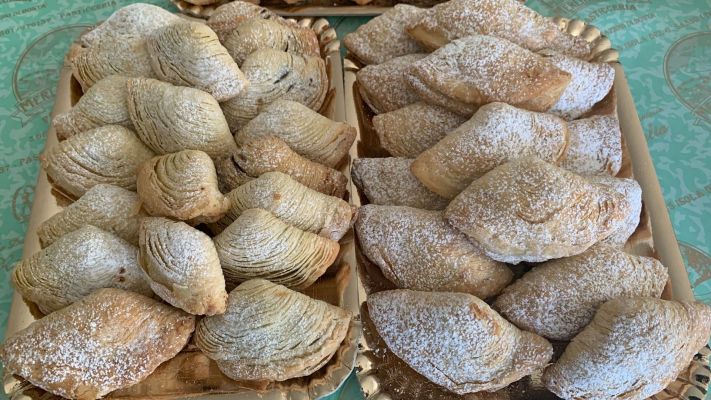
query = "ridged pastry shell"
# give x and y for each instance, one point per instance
(182, 186)
(274, 75)
(138, 20)
(182, 266)
(173, 118)
(189, 54)
(270, 332)
(114, 209)
(258, 33)
(77, 264)
(103, 104)
(228, 16)
(259, 245)
(293, 203)
(307, 132)
(109, 154)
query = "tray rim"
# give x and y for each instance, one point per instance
(663, 235)
(44, 206)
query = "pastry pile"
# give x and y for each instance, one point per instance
(499, 157)
(204, 183)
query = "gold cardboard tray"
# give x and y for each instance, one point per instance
(384, 376)
(320, 8)
(191, 373)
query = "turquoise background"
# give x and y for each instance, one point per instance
(665, 48)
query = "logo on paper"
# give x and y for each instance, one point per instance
(34, 79)
(22, 203)
(698, 265)
(688, 73)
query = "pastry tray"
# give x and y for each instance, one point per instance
(191, 373)
(321, 8)
(384, 376)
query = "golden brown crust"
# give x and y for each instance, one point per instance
(558, 299)
(307, 132)
(478, 70)
(455, 340)
(259, 33)
(497, 133)
(109, 340)
(182, 266)
(632, 349)
(530, 210)
(228, 16)
(507, 19)
(183, 186)
(269, 153)
(384, 37)
(384, 87)
(417, 249)
(409, 131)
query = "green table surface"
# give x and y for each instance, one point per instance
(665, 47)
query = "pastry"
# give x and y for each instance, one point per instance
(590, 83)
(506, 19)
(419, 250)
(108, 154)
(182, 266)
(476, 70)
(496, 134)
(293, 203)
(632, 349)
(183, 186)
(530, 210)
(103, 104)
(137, 20)
(114, 55)
(389, 182)
(307, 132)
(109, 340)
(75, 265)
(455, 340)
(384, 86)
(409, 131)
(228, 16)
(595, 146)
(557, 299)
(272, 333)
(632, 192)
(384, 37)
(259, 245)
(114, 209)
(268, 154)
(172, 118)
(258, 33)
(189, 54)
(274, 75)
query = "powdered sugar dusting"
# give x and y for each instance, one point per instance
(507, 19)
(595, 146)
(481, 69)
(496, 134)
(455, 340)
(557, 299)
(418, 249)
(384, 36)
(590, 83)
(108, 340)
(388, 181)
(384, 87)
(530, 210)
(632, 192)
(409, 131)
(633, 348)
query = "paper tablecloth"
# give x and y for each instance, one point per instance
(665, 48)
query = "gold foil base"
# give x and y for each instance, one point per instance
(384, 376)
(191, 373)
